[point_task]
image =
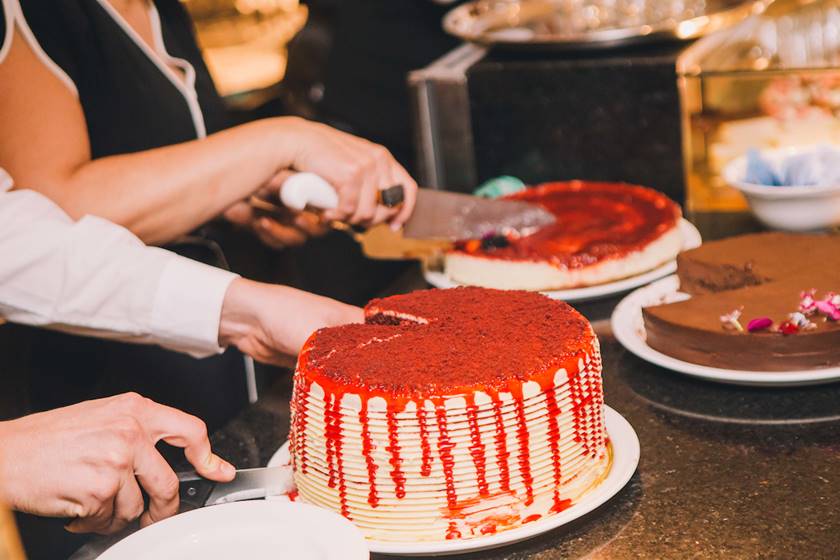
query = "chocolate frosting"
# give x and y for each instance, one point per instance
(764, 274)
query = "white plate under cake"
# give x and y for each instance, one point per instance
(450, 414)
(604, 232)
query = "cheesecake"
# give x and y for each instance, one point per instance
(603, 232)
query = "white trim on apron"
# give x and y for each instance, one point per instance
(29, 37)
(187, 89)
(9, 32)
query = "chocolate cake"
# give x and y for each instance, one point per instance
(760, 302)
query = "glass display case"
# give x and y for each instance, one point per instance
(771, 81)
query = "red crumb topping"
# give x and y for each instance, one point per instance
(475, 338)
(595, 221)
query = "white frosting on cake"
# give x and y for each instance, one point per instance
(488, 272)
(356, 476)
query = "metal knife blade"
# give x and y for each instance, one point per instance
(249, 484)
(438, 215)
(453, 216)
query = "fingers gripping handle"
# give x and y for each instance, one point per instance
(307, 189)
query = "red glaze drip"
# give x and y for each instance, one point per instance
(397, 475)
(425, 448)
(591, 413)
(367, 452)
(598, 403)
(591, 420)
(553, 411)
(293, 496)
(523, 437)
(595, 222)
(339, 457)
(489, 529)
(602, 431)
(532, 518)
(578, 413)
(445, 447)
(301, 403)
(502, 453)
(452, 532)
(561, 505)
(331, 355)
(477, 449)
(329, 437)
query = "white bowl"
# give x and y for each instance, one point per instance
(794, 208)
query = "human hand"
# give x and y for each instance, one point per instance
(88, 462)
(284, 228)
(271, 323)
(356, 168)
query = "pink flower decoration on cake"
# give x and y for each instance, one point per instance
(759, 324)
(807, 304)
(730, 320)
(827, 308)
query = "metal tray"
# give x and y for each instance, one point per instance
(577, 24)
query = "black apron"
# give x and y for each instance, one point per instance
(130, 105)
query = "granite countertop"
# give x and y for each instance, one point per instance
(725, 471)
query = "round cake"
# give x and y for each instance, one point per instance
(603, 232)
(450, 414)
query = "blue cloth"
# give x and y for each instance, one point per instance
(819, 166)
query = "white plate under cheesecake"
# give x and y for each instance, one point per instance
(607, 238)
(690, 239)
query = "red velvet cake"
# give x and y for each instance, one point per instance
(603, 232)
(450, 414)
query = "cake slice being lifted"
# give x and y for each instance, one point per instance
(785, 285)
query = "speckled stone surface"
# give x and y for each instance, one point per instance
(725, 471)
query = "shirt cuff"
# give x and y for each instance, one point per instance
(188, 307)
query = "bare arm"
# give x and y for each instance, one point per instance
(163, 193)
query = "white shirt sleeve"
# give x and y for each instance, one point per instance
(96, 278)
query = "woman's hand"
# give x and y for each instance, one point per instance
(356, 168)
(290, 229)
(88, 462)
(271, 323)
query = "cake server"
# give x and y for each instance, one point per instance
(196, 491)
(438, 215)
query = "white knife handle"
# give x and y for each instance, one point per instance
(308, 189)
